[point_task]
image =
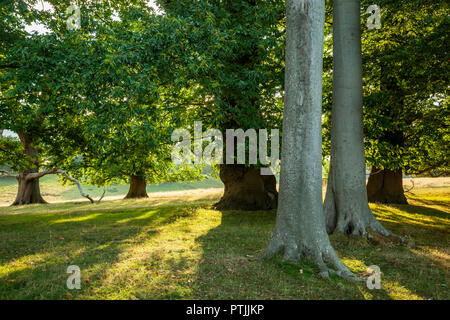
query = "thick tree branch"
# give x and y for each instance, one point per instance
(7, 174)
(37, 175)
(77, 183)
(434, 167)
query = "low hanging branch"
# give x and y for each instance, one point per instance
(77, 183)
(103, 194)
(37, 175)
(7, 174)
(412, 187)
(79, 186)
(59, 171)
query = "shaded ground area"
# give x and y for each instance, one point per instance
(177, 247)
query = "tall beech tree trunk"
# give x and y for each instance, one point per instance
(300, 225)
(386, 186)
(346, 206)
(28, 191)
(246, 189)
(138, 187)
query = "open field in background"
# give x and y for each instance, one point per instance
(175, 246)
(53, 191)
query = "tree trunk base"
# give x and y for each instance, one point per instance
(28, 192)
(350, 218)
(314, 245)
(138, 188)
(346, 208)
(392, 239)
(246, 189)
(386, 186)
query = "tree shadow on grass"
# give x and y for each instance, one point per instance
(35, 262)
(231, 266)
(419, 223)
(423, 271)
(228, 266)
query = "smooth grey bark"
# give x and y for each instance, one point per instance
(346, 205)
(300, 225)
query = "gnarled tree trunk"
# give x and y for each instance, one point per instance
(346, 206)
(386, 186)
(28, 191)
(300, 226)
(246, 189)
(138, 187)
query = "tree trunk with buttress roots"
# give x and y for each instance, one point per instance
(386, 186)
(247, 189)
(138, 187)
(346, 206)
(28, 191)
(300, 225)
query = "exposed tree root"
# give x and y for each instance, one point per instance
(320, 254)
(353, 216)
(384, 240)
(370, 228)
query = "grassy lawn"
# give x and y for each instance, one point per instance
(175, 246)
(53, 191)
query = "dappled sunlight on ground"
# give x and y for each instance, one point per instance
(173, 245)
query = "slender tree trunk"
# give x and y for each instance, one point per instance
(28, 191)
(246, 189)
(137, 187)
(346, 206)
(300, 225)
(386, 186)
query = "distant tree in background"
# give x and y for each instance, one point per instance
(88, 104)
(405, 83)
(128, 104)
(238, 46)
(407, 115)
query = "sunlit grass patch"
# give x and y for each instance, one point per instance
(145, 249)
